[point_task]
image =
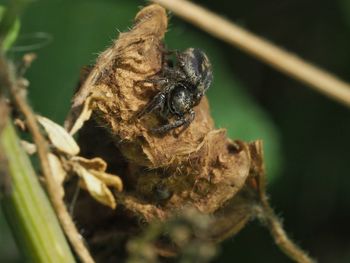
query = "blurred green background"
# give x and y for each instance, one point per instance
(306, 135)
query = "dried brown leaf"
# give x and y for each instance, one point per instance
(199, 167)
(96, 163)
(83, 117)
(109, 179)
(95, 187)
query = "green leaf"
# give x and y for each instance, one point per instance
(12, 33)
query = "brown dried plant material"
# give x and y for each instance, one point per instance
(199, 166)
(59, 137)
(64, 160)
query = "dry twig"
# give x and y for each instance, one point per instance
(288, 63)
(275, 226)
(5, 184)
(267, 216)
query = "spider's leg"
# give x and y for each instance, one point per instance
(190, 118)
(157, 81)
(184, 120)
(157, 102)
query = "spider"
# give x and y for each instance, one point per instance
(182, 88)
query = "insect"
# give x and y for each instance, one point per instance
(182, 87)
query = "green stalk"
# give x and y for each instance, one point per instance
(9, 23)
(27, 208)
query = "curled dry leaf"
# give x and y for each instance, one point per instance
(91, 171)
(96, 187)
(97, 164)
(198, 167)
(97, 167)
(95, 180)
(84, 116)
(109, 179)
(59, 137)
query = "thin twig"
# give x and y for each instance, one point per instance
(5, 184)
(268, 217)
(9, 80)
(288, 63)
(274, 224)
(265, 213)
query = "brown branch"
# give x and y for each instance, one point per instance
(274, 224)
(9, 81)
(5, 179)
(288, 63)
(265, 213)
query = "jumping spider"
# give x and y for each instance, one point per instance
(182, 87)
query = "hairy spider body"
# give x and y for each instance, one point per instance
(182, 88)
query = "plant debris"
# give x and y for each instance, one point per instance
(92, 172)
(200, 157)
(195, 168)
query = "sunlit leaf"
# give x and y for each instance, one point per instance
(96, 163)
(84, 116)
(95, 187)
(59, 137)
(109, 179)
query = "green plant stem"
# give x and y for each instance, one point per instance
(9, 19)
(27, 209)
